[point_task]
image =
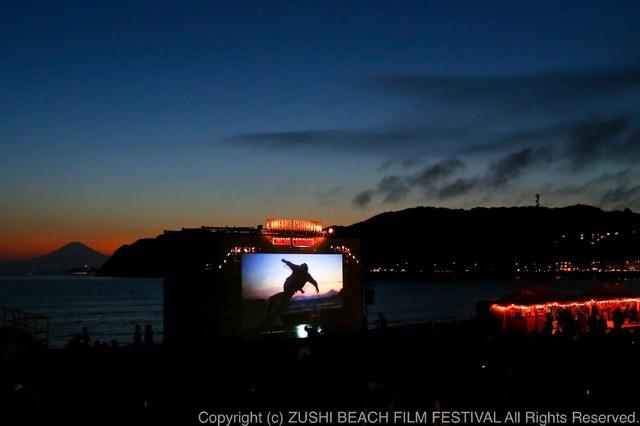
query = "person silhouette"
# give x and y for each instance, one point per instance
(148, 335)
(85, 336)
(76, 342)
(137, 335)
(382, 322)
(618, 319)
(294, 283)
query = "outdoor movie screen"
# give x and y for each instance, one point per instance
(290, 290)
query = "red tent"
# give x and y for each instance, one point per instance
(526, 296)
(520, 310)
(526, 308)
(608, 292)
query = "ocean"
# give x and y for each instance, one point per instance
(405, 301)
(111, 307)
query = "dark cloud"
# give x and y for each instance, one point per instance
(531, 94)
(471, 115)
(583, 145)
(604, 180)
(578, 113)
(580, 143)
(510, 167)
(600, 139)
(429, 176)
(543, 137)
(395, 188)
(331, 193)
(459, 187)
(362, 199)
(610, 191)
(505, 126)
(384, 142)
(498, 174)
(622, 197)
(618, 190)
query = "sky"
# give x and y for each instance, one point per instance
(122, 119)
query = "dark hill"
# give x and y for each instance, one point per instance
(478, 241)
(143, 258)
(60, 261)
(495, 239)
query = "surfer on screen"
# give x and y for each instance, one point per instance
(294, 283)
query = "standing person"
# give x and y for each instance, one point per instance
(618, 319)
(85, 336)
(148, 335)
(137, 335)
(294, 283)
(382, 322)
(602, 323)
(633, 313)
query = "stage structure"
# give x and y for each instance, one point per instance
(283, 280)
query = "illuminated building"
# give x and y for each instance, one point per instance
(218, 283)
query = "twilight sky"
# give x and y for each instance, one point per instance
(120, 119)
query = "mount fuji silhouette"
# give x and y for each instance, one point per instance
(60, 261)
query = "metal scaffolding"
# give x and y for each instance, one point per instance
(35, 325)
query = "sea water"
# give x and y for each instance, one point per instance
(414, 301)
(110, 307)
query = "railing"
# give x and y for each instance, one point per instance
(35, 325)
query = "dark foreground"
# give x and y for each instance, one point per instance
(422, 369)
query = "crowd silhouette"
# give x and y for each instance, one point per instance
(82, 339)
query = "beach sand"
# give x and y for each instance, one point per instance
(458, 366)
